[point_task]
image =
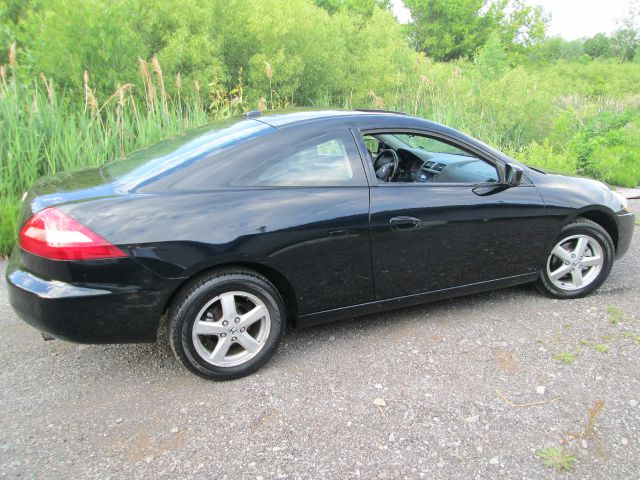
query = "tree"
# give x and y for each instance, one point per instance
(492, 59)
(521, 25)
(449, 29)
(552, 49)
(598, 46)
(63, 38)
(361, 7)
(626, 39)
(11, 13)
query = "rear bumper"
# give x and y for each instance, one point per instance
(626, 224)
(104, 313)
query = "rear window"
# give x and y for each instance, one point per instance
(167, 156)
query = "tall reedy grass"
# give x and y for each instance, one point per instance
(526, 114)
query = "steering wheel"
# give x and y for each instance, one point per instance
(386, 165)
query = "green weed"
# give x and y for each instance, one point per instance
(565, 357)
(615, 314)
(556, 457)
(633, 336)
(601, 347)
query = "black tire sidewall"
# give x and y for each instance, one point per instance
(182, 323)
(598, 234)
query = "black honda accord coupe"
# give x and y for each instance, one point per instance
(233, 231)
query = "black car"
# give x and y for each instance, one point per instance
(237, 229)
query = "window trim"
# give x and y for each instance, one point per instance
(455, 142)
(364, 160)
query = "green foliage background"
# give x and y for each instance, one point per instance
(87, 81)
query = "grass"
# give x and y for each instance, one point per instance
(549, 117)
(633, 336)
(556, 457)
(565, 357)
(601, 347)
(8, 214)
(42, 135)
(615, 315)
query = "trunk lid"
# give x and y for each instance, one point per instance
(64, 188)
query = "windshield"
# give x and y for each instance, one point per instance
(428, 144)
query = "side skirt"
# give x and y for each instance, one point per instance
(326, 316)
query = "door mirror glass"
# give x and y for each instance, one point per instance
(372, 144)
(513, 174)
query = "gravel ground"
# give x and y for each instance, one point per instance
(445, 372)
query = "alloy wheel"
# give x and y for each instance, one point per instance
(231, 329)
(575, 262)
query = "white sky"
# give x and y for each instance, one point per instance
(570, 19)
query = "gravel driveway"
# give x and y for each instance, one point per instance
(467, 388)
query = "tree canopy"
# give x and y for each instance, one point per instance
(315, 50)
(450, 29)
(625, 41)
(322, 49)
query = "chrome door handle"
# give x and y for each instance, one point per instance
(405, 223)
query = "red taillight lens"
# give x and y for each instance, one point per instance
(52, 234)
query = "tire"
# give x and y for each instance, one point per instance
(226, 324)
(560, 277)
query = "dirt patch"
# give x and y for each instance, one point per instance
(506, 361)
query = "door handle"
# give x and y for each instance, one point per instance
(486, 190)
(405, 223)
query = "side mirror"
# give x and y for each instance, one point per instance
(513, 174)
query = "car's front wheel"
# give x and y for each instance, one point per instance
(579, 261)
(226, 324)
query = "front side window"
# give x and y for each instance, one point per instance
(412, 158)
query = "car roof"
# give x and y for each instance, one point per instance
(292, 117)
(365, 119)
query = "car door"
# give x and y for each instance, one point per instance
(429, 235)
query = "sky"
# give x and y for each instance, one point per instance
(570, 19)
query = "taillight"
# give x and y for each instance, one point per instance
(52, 234)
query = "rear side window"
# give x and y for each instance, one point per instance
(329, 160)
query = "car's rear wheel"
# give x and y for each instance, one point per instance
(226, 324)
(579, 261)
